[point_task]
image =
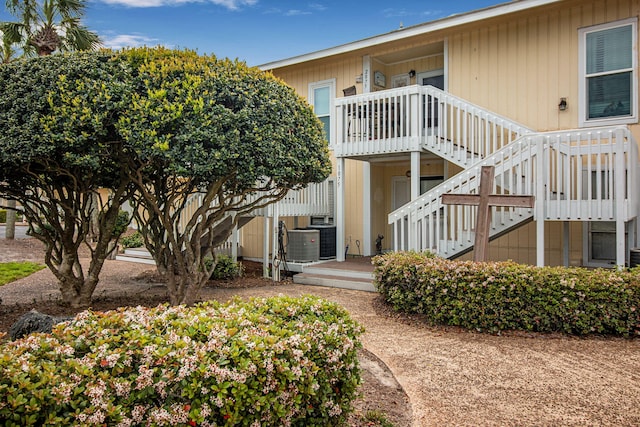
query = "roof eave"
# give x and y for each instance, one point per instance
(419, 29)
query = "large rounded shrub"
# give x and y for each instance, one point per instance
(267, 362)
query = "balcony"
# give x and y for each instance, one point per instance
(419, 118)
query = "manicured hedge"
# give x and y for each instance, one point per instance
(497, 296)
(268, 362)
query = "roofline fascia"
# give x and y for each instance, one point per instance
(415, 30)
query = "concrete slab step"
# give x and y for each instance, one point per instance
(137, 252)
(139, 255)
(351, 274)
(358, 284)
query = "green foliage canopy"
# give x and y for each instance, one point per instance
(236, 135)
(166, 123)
(205, 119)
(58, 147)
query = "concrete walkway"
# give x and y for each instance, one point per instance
(21, 231)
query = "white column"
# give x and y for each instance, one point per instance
(540, 181)
(275, 266)
(366, 209)
(366, 178)
(366, 74)
(265, 244)
(234, 243)
(620, 179)
(446, 64)
(340, 214)
(415, 175)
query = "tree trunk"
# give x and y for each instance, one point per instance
(11, 220)
(74, 293)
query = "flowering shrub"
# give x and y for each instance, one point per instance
(496, 296)
(267, 362)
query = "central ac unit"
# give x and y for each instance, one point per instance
(303, 246)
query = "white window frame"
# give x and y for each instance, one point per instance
(584, 121)
(331, 84)
(432, 73)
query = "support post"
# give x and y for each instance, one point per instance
(539, 209)
(275, 256)
(415, 175)
(340, 214)
(265, 244)
(366, 209)
(10, 228)
(234, 243)
(366, 74)
(619, 193)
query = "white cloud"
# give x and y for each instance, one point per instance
(296, 12)
(312, 8)
(127, 40)
(317, 6)
(229, 4)
(399, 13)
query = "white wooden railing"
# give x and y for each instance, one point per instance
(579, 175)
(312, 200)
(414, 118)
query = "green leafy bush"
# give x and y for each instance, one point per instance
(3, 216)
(226, 268)
(122, 222)
(133, 240)
(496, 296)
(266, 362)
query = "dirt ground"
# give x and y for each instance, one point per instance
(450, 376)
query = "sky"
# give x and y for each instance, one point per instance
(257, 31)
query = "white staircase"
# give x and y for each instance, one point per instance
(575, 175)
(578, 175)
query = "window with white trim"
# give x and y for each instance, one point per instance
(608, 62)
(321, 95)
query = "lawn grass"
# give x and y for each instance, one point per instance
(10, 271)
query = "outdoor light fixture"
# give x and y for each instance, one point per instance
(563, 104)
(412, 73)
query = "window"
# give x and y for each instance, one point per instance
(321, 96)
(608, 61)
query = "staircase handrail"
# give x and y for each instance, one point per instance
(516, 174)
(466, 132)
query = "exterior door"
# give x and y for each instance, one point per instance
(436, 79)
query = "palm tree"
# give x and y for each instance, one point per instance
(7, 52)
(42, 28)
(46, 26)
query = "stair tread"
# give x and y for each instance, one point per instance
(336, 277)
